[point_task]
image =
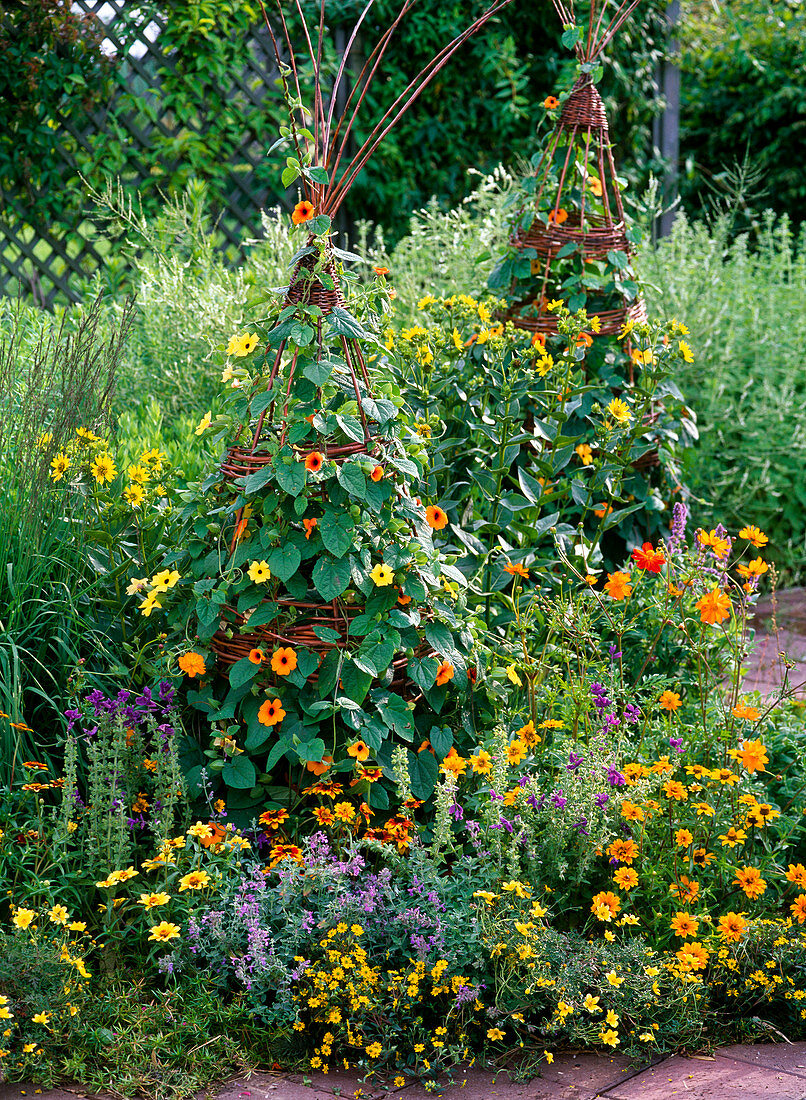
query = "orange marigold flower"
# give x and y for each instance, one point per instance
(516, 569)
(313, 461)
(674, 789)
(624, 851)
(444, 673)
(683, 924)
(303, 212)
(193, 664)
(435, 517)
(686, 889)
(670, 701)
(454, 763)
(309, 525)
(618, 585)
(283, 661)
(692, 956)
(798, 909)
(257, 656)
(750, 880)
(797, 873)
(714, 607)
(731, 927)
(631, 811)
(626, 878)
(605, 905)
(377, 473)
(648, 558)
(551, 103)
(270, 713)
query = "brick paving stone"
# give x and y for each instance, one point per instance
(784, 1057)
(718, 1078)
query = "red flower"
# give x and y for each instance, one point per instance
(647, 557)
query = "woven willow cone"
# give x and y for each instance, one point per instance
(577, 203)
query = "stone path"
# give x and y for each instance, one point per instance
(780, 625)
(775, 1071)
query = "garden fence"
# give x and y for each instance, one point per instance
(48, 260)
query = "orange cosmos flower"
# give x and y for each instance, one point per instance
(714, 607)
(551, 103)
(435, 517)
(257, 656)
(670, 700)
(309, 525)
(753, 754)
(648, 558)
(516, 570)
(618, 585)
(283, 661)
(584, 340)
(444, 673)
(754, 536)
(557, 217)
(313, 461)
(193, 664)
(381, 270)
(377, 473)
(270, 713)
(303, 212)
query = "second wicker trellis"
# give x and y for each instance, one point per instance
(577, 199)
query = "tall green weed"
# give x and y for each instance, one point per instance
(744, 300)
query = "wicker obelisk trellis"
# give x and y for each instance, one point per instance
(577, 197)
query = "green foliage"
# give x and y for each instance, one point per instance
(743, 300)
(42, 990)
(744, 63)
(51, 64)
(55, 377)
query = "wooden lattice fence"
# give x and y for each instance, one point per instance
(49, 260)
